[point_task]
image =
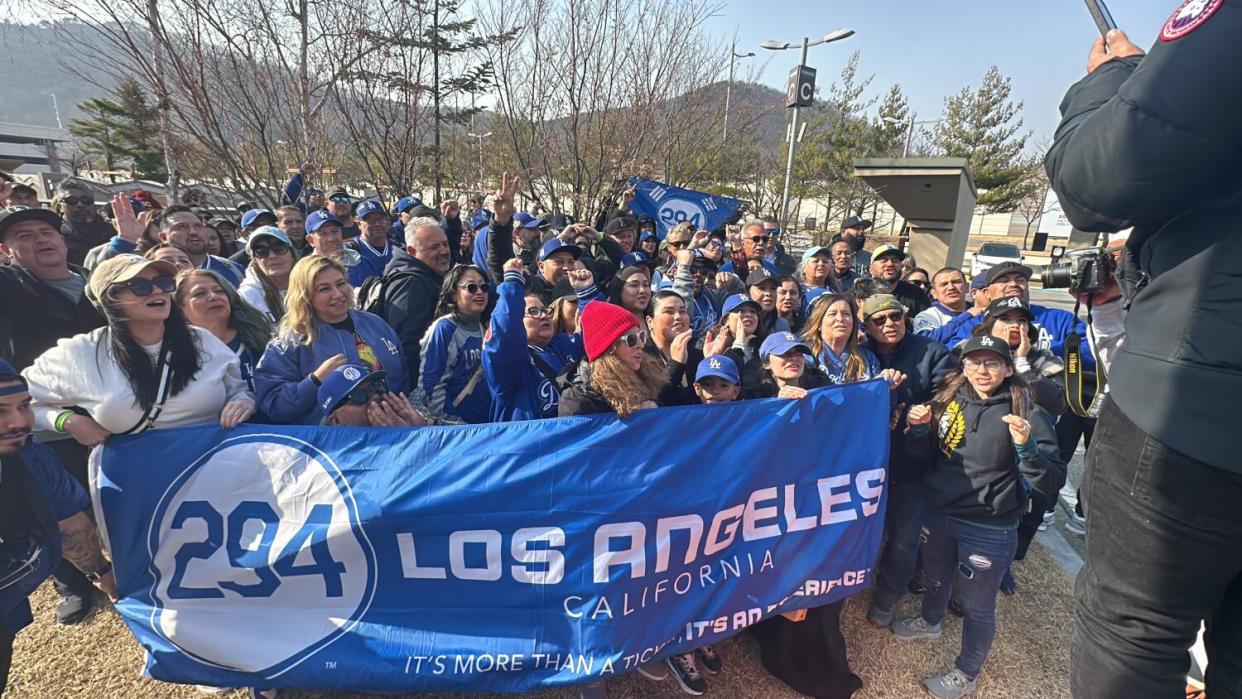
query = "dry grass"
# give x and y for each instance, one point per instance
(1029, 660)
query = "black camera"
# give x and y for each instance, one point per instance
(1086, 271)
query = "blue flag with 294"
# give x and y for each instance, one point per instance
(502, 557)
(668, 205)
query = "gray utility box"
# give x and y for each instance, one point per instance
(935, 196)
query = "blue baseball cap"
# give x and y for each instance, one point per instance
(343, 380)
(250, 218)
(979, 281)
(367, 208)
(8, 369)
(812, 252)
(523, 219)
(266, 232)
(780, 343)
(735, 301)
(638, 257)
(556, 245)
(648, 235)
(719, 366)
(404, 204)
(479, 220)
(318, 219)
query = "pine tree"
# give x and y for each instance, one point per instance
(122, 131)
(983, 126)
(891, 125)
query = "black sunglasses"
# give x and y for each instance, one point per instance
(143, 287)
(262, 251)
(78, 200)
(361, 394)
(760, 238)
(473, 288)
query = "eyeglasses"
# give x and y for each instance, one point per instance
(539, 312)
(361, 394)
(142, 287)
(473, 288)
(989, 364)
(341, 199)
(880, 321)
(760, 238)
(262, 251)
(638, 338)
(74, 201)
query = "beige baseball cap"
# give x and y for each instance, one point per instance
(122, 268)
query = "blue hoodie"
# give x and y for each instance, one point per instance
(452, 353)
(287, 394)
(520, 390)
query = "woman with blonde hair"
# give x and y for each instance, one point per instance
(320, 331)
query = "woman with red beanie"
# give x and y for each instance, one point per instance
(617, 376)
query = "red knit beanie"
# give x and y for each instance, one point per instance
(602, 323)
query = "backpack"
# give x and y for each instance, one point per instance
(373, 294)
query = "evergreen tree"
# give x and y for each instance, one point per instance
(892, 124)
(122, 131)
(983, 126)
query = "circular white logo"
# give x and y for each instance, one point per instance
(675, 211)
(351, 373)
(259, 539)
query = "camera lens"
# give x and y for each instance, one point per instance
(1058, 276)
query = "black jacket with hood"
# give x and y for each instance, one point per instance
(976, 474)
(409, 305)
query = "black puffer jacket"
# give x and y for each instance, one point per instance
(977, 475)
(577, 395)
(410, 304)
(33, 315)
(925, 363)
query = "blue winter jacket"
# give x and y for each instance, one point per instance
(520, 389)
(287, 395)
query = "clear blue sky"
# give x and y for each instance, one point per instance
(934, 48)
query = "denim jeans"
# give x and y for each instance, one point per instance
(1164, 552)
(974, 559)
(895, 567)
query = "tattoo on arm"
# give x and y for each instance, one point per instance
(80, 543)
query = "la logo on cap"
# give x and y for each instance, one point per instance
(789, 336)
(351, 373)
(715, 363)
(986, 342)
(1015, 302)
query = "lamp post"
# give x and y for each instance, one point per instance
(793, 131)
(905, 152)
(733, 56)
(480, 136)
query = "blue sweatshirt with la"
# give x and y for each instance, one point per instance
(520, 390)
(282, 379)
(451, 385)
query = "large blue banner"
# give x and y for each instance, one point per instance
(669, 205)
(501, 557)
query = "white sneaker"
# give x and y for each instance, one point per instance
(1076, 525)
(953, 684)
(208, 689)
(1049, 518)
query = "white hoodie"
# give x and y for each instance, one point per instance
(81, 371)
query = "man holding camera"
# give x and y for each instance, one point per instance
(1151, 142)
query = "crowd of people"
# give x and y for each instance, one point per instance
(334, 311)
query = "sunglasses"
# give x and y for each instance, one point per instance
(142, 287)
(361, 394)
(543, 312)
(473, 288)
(262, 251)
(760, 238)
(341, 199)
(73, 201)
(922, 285)
(880, 321)
(638, 338)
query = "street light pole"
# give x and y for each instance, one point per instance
(480, 136)
(793, 146)
(733, 56)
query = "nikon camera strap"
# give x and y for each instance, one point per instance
(1074, 370)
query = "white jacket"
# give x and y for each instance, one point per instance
(81, 371)
(251, 290)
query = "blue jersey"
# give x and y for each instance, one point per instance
(372, 262)
(833, 365)
(451, 384)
